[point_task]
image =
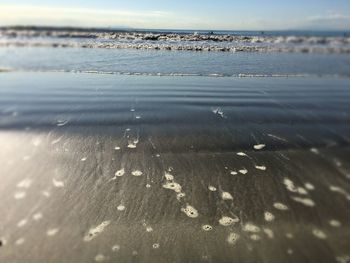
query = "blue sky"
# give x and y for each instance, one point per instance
(181, 14)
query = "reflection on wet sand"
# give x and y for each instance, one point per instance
(257, 185)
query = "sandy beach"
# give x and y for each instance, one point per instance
(119, 168)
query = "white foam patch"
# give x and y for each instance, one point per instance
(52, 232)
(190, 211)
(100, 258)
(260, 167)
(180, 195)
(173, 186)
(293, 188)
(22, 223)
(233, 173)
(249, 227)
(37, 216)
(95, 231)
(226, 196)
(227, 221)
(255, 237)
(212, 188)
(241, 154)
(132, 145)
(116, 248)
(20, 241)
(155, 245)
(117, 148)
(309, 186)
(280, 206)
(149, 229)
(207, 227)
(26, 183)
(148, 186)
(136, 173)
(259, 146)
(20, 195)
(57, 183)
(269, 233)
(83, 159)
(218, 111)
(169, 177)
(243, 171)
(121, 207)
(304, 201)
(120, 172)
(232, 238)
(268, 216)
(314, 150)
(335, 223)
(319, 233)
(289, 235)
(46, 193)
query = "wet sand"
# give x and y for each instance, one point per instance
(114, 168)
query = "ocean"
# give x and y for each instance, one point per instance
(174, 146)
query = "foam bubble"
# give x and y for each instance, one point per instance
(190, 211)
(243, 171)
(57, 183)
(309, 186)
(249, 227)
(132, 145)
(259, 146)
(20, 241)
(260, 167)
(334, 223)
(52, 232)
(95, 231)
(148, 186)
(304, 201)
(241, 154)
(212, 188)
(37, 216)
(269, 216)
(117, 148)
(280, 206)
(149, 229)
(116, 248)
(227, 221)
(121, 207)
(136, 173)
(83, 159)
(22, 223)
(207, 227)
(120, 172)
(232, 238)
(26, 183)
(20, 195)
(100, 258)
(155, 245)
(319, 233)
(269, 233)
(173, 186)
(180, 195)
(169, 177)
(233, 172)
(289, 235)
(255, 237)
(226, 196)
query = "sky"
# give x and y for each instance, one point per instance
(180, 14)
